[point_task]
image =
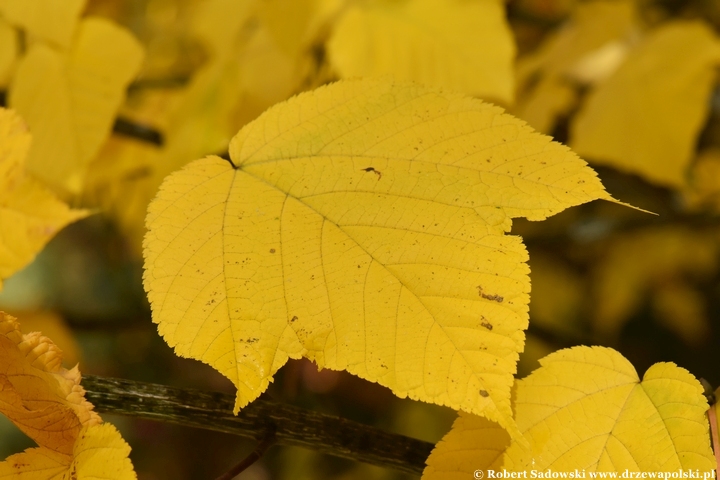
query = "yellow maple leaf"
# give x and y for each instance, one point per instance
(30, 215)
(646, 117)
(586, 409)
(457, 44)
(69, 100)
(51, 20)
(363, 228)
(47, 402)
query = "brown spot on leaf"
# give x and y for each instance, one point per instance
(484, 393)
(487, 296)
(272, 250)
(294, 318)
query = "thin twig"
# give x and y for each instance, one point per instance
(267, 441)
(293, 426)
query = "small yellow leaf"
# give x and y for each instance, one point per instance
(53, 20)
(69, 100)
(43, 399)
(645, 119)
(586, 409)
(30, 215)
(52, 325)
(47, 402)
(99, 453)
(464, 45)
(363, 228)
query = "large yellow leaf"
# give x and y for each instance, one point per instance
(47, 402)
(586, 409)
(645, 119)
(464, 45)
(53, 20)
(29, 214)
(69, 100)
(363, 228)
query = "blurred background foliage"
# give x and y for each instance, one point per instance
(631, 85)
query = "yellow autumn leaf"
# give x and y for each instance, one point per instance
(99, 453)
(52, 325)
(48, 404)
(645, 119)
(43, 399)
(363, 228)
(51, 20)
(69, 100)
(30, 215)
(464, 45)
(587, 409)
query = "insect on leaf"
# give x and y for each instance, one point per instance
(586, 408)
(363, 228)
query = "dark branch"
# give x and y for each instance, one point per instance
(122, 126)
(254, 456)
(143, 133)
(293, 426)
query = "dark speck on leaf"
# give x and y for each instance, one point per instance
(371, 169)
(484, 393)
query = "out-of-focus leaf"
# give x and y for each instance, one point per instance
(463, 45)
(645, 119)
(703, 189)
(70, 100)
(30, 215)
(585, 408)
(682, 309)
(636, 264)
(546, 89)
(51, 20)
(8, 52)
